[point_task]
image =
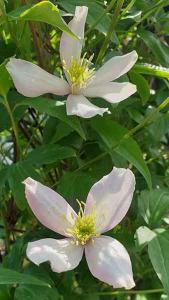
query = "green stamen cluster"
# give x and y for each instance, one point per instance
(78, 73)
(84, 227)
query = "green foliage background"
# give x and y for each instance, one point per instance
(69, 154)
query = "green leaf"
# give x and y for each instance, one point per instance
(4, 293)
(75, 185)
(3, 176)
(159, 256)
(113, 136)
(142, 86)
(46, 12)
(50, 153)
(5, 81)
(95, 11)
(90, 297)
(14, 259)
(159, 49)
(8, 276)
(38, 292)
(55, 109)
(142, 297)
(151, 70)
(143, 236)
(2, 14)
(159, 127)
(55, 130)
(154, 205)
(17, 173)
(164, 297)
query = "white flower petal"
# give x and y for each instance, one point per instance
(109, 261)
(111, 198)
(113, 92)
(80, 106)
(32, 81)
(114, 68)
(63, 255)
(69, 47)
(49, 207)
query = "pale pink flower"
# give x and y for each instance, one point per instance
(32, 81)
(107, 203)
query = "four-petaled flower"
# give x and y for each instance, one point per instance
(107, 203)
(82, 81)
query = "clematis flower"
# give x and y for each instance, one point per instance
(107, 203)
(82, 81)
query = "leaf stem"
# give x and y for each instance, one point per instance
(148, 13)
(148, 119)
(127, 8)
(36, 41)
(133, 292)
(111, 29)
(37, 45)
(8, 23)
(7, 234)
(152, 70)
(14, 126)
(131, 132)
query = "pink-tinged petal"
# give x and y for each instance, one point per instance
(111, 198)
(49, 207)
(69, 47)
(113, 92)
(32, 81)
(63, 255)
(79, 105)
(115, 67)
(109, 261)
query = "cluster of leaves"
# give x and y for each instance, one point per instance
(69, 154)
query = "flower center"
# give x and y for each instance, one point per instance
(79, 73)
(84, 227)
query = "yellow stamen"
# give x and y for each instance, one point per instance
(84, 227)
(79, 73)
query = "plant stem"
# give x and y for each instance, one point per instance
(151, 70)
(133, 292)
(8, 23)
(148, 13)
(111, 29)
(147, 120)
(37, 45)
(109, 7)
(7, 234)
(92, 161)
(128, 7)
(36, 41)
(15, 129)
